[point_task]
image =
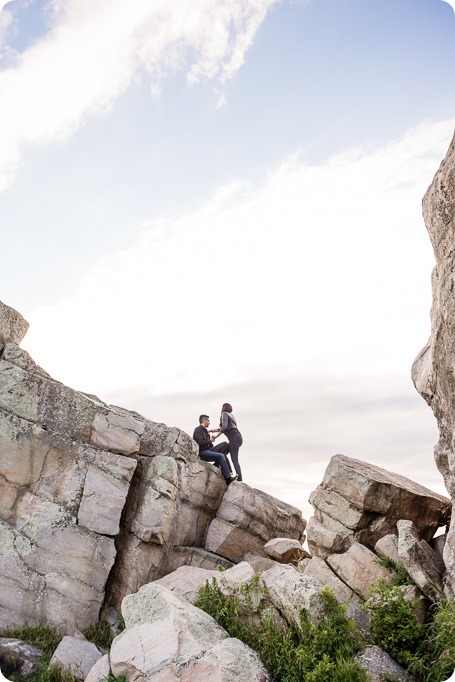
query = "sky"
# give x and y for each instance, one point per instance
(209, 201)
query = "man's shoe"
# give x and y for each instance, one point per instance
(229, 480)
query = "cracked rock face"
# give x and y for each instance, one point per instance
(433, 371)
(88, 492)
(96, 500)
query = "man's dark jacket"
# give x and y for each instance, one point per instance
(202, 438)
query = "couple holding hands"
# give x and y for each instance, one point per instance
(218, 453)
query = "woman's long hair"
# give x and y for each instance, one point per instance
(226, 408)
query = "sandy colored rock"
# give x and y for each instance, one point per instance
(418, 561)
(230, 541)
(100, 671)
(195, 556)
(323, 541)
(260, 563)
(290, 591)
(12, 324)
(359, 569)
(104, 494)
(264, 516)
(75, 655)
(381, 666)
(318, 569)
(162, 630)
(360, 502)
(285, 550)
(186, 581)
(229, 661)
(388, 547)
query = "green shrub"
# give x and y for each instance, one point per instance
(311, 653)
(100, 633)
(393, 624)
(400, 576)
(436, 659)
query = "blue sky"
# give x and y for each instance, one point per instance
(209, 201)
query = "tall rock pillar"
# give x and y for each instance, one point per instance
(433, 371)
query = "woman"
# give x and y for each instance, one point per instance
(228, 426)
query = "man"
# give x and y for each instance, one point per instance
(212, 453)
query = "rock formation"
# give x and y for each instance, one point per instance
(433, 370)
(100, 505)
(362, 502)
(96, 500)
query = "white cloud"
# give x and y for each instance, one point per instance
(95, 50)
(324, 267)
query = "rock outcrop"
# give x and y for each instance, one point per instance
(96, 500)
(167, 638)
(360, 502)
(433, 370)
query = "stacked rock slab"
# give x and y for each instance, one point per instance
(360, 502)
(87, 489)
(247, 519)
(433, 370)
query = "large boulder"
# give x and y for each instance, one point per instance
(247, 519)
(420, 561)
(319, 569)
(381, 666)
(360, 502)
(75, 655)
(167, 638)
(290, 592)
(432, 371)
(359, 569)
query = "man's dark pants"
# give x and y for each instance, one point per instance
(217, 454)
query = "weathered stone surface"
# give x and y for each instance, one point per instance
(438, 544)
(323, 541)
(248, 518)
(381, 666)
(195, 556)
(432, 371)
(18, 657)
(186, 581)
(100, 671)
(167, 638)
(290, 591)
(419, 563)
(388, 547)
(76, 655)
(52, 575)
(12, 324)
(359, 569)
(231, 541)
(260, 563)
(229, 661)
(317, 568)
(18, 356)
(339, 508)
(361, 502)
(285, 550)
(260, 513)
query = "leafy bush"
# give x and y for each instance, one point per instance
(393, 624)
(400, 576)
(436, 659)
(313, 653)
